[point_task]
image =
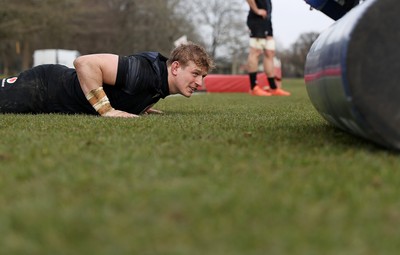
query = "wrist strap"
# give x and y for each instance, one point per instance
(99, 100)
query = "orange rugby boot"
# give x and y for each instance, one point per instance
(279, 92)
(257, 91)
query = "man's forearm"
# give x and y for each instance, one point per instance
(93, 71)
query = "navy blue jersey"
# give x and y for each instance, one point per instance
(142, 80)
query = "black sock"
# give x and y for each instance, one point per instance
(272, 83)
(253, 79)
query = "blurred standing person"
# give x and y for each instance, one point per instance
(262, 42)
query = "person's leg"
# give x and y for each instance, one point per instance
(269, 68)
(268, 61)
(252, 68)
(252, 65)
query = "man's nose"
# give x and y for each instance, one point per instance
(199, 81)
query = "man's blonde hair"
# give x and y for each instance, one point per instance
(190, 51)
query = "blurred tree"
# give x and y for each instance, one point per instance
(223, 27)
(127, 26)
(294, 59)
(89, 26)
(25, 23)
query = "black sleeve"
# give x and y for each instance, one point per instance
(121, 72)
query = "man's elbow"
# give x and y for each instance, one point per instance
(79, 62)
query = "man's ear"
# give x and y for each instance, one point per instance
(174, 67)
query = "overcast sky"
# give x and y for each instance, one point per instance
(291, 18)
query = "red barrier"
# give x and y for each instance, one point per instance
(240, 83)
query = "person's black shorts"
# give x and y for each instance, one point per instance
(25, 93)
(260, 28)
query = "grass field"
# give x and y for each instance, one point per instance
(217, 174)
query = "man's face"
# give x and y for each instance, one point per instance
(189, 78)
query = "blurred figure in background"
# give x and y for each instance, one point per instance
(262, 43)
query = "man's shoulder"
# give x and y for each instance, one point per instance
(150, 55)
